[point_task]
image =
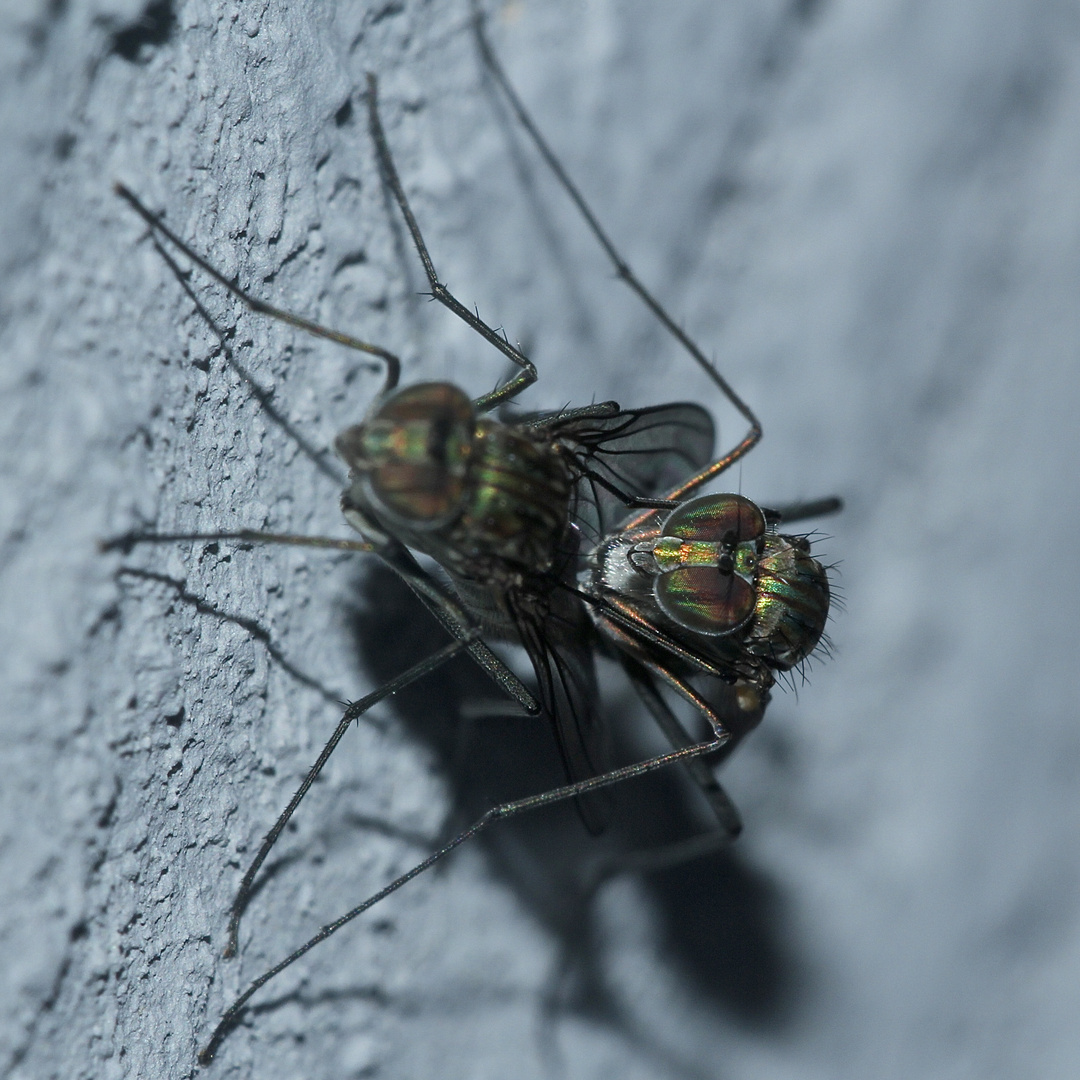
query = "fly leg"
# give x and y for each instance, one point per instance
(352, 715)
(623, 271)
(319, 458)
(671, 854)
(727, 814)
(831, 504)
(526, 374)
(253, 303)
(676, 853)
(497, 813)
(435, 596)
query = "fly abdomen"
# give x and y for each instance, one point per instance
(410, 459)
(518, 503)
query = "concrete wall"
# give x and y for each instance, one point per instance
(866, 212)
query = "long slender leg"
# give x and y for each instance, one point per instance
(831, 504)
(452, 617)
(635, 501)
(393, 364)
(623, 270)
(727, 814)
(319, 458)
(127, 541)
(496, 813)
(353, 713)
(446, 607)
(435, 597)
(527, 375)
(628, 632)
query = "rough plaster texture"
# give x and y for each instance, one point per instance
(869, 215)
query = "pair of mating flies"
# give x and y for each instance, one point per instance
(569, 533)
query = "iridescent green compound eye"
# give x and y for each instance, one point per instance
(727, 519)
(707, 557)
(704, 600)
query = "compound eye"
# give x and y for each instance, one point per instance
(414, 452)
(704, 600)
(728, 519)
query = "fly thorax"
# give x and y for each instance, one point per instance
(621, 571)
(517, 506)
(792, 603)
(409, 460)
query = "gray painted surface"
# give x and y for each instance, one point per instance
(869, 216)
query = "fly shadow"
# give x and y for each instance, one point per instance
(722, 923)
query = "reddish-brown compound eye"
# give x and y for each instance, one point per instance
(414, 452)
(722, 518)
(704, 600)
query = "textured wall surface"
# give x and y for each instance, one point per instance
(867, 213)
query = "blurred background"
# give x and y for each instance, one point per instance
(868, 214)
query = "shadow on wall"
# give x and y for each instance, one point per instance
(722, 922)
(154, 27)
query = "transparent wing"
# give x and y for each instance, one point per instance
(560, 647)
(630, 452)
